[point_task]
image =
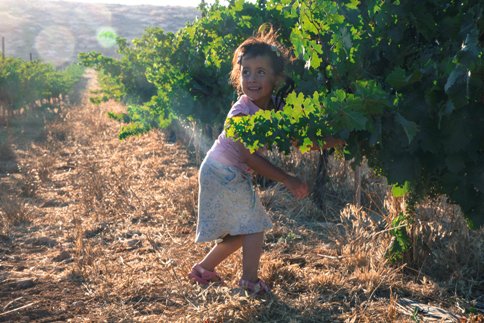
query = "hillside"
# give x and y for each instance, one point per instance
(57, 31)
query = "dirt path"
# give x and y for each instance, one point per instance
(91, 214)
(102, 230)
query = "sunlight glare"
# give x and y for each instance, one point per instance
(106, 37)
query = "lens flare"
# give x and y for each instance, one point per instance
(55, 45)
(106, 37)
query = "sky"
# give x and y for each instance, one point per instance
(185, 3)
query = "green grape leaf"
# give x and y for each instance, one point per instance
(397, 78)
(353, 4)
(315, 60)
(354, 120)
(400, 190)
(306, 145)
(455, 76)
(409, 127)
(238, 5)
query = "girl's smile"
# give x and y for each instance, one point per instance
(258, 79)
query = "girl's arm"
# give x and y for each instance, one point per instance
(263, 167)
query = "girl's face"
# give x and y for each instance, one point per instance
(258, 79)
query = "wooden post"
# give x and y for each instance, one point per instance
(357, 200)
(3, 47)
(31, 57)
(322, 178)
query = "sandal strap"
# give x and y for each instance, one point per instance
(204, 276)
(257, 288)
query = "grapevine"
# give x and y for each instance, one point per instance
(401, 82)
(22, 83)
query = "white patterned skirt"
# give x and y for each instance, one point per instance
(227, 203)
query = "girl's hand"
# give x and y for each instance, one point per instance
(297, 187)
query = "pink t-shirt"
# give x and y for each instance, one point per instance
(224, 149)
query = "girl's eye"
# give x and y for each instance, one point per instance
(261, 72)
(245, 72)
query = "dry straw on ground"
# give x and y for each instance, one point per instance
(102, 230)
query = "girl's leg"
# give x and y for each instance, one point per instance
(252, 250)
(221, 251)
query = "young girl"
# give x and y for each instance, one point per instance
(229, 210)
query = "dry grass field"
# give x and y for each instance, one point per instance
(97, 229)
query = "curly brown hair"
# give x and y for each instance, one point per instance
(264, 43)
